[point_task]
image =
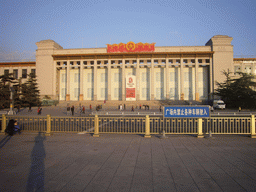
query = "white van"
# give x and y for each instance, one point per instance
(219, 104)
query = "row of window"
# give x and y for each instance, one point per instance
(135, 61)
(24, 73)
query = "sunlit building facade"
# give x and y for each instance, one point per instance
(132, 71)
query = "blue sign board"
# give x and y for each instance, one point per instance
(187, 111)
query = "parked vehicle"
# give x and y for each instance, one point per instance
(219, 104)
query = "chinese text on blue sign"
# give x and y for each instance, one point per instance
(189, 112)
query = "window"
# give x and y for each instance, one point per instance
(89, 92)
(24, 73)
(76, 92)
(98, 62)
(170, 61)
(143, 77)
(148, 61)
(192, 60)
(177, 60)
(15, 73)
(158, 76)
(163, 61)
(126, 62)
(6, 72)
(120, 62)
(106, 62)
(116, 92)
(92, 62)
(113, 62)
(134, 62)
(63, 78)
(144, 92)
(156, 61)
(63, 92)
(89, 77)
(116, 77)
(200, 61)
(103, 77)
(76, 77)
(141, 61)
(33, 72)
(185, 61)
(103, 92)
(207, 60)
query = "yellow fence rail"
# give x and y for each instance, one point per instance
(135, 125)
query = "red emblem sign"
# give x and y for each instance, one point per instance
(130, 80)
(131, 47)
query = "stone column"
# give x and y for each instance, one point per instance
(167, 79)
(81, 96)
(196, 80)
(123, 80)
(181, 80)
(152, 78)
(138, 80)
(95, 80)
(54, 82)
(211, 79)
(109, 79)
(68, 81)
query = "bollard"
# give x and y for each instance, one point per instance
(147, 131)
(200, 128)
(3, 124)
(48, 131)
(96, 126)
(253, 135)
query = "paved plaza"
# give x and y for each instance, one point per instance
(118, 162)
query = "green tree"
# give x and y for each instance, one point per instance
(238, 91)
(30, 93)
(6, 81)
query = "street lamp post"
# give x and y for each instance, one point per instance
(11, 112)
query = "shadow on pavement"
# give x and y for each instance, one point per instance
(36, 175)
(5, 140)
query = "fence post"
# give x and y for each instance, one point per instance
(200, 128)
(147, 131)
(253, 135)
(48, 131)
(3, 123)
(96, 126)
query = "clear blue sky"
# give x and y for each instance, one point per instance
(95, 23)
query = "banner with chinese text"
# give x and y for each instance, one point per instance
(187, 111)
(130, 47)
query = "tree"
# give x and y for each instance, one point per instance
(30, 93)
(6, 81)
(238, 91)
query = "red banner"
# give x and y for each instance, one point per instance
(130, 92)
(131, 47)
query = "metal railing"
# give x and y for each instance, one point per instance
(135, 125)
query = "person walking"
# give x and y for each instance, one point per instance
(132, 108)
(160, 108)
(90, 107)
(140, 106)
(38, 111)
(72, 110)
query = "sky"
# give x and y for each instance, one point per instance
(95, 23)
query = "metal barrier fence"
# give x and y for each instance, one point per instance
(135, 125)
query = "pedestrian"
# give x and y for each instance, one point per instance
(68, 110)
(10, 128)
(18, 108)
(83, 109)
(132, 108)
(140, 106)
(16, 127)
(72, 110)
(239, 109)
(121, 107)
(38, 111)
(29, 108)
(90, 107)
(124, 106)
(160, 108)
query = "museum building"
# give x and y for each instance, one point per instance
(131, 71)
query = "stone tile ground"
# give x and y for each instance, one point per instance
(73, 162)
